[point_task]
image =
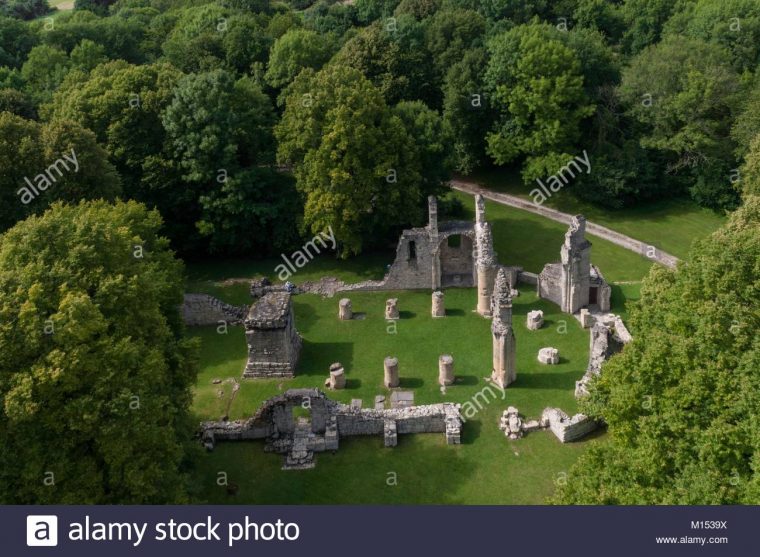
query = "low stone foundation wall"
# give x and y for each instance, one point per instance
(202, 309)
(432, 418)
(567, 428)
(329, 422)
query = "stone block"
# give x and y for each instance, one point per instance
(391, 308)
(548, 355)
(438, 309)
(345, 311)
(535, 319)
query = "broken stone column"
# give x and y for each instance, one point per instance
(345, 313)
(438, 308)
(337, 379)
(391, 372)
(575, 276)
(548, 355)
(503, 336)
(587, 320)
(535, 320)
(391, 308)
(445, 370)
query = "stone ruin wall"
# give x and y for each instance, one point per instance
(202, 309)
(274, 420)
(407, 273)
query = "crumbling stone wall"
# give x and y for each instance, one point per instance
(330, 420)
(605, 340)
(202, 309)
(567, 428)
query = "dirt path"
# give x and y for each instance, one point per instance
(642, 248)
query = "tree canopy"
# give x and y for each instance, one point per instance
(95, 374)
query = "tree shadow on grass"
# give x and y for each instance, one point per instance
(410, 382)
(552, 380)
(353, 383)
(316, 357)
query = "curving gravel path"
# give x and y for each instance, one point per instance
(642, 248)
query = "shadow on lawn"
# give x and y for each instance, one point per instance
(561, 380)
(316, 357)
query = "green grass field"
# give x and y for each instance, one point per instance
(486, 468)
(671, 224)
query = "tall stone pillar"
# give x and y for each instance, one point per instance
(485, 258)
(504, 346)
(575, 279)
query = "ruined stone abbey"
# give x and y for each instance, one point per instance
(454, 254)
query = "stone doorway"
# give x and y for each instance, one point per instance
(456, 261)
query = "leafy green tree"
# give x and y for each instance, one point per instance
(644, 21)
(750, 172)
(28, 150)
(433, 143)
(518, 11)
(418, 9)
(122, 105)
(368, 11)
(733, 24)
(196, 43)
(122, 38)
(16, 102)
(451, 33)
(219, 130)
(295, 50)
(688, 115)
(16, 40)
(351, 157)
(99, 7)
(25, 9)
(246, 42)
(681, 399)
(536, 86)
(87, 55)
(215, 122)
(95, 374)
(394, 57)
(44, 71)
(604, 16)
(466, 109)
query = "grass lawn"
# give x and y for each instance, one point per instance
(671, 225)
(486, 468)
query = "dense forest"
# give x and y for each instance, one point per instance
(400, 93)
(193, 129)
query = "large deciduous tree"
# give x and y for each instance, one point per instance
(28, 149)
(95, 374)
(354, 159)
(688, 115)
(536, 86)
